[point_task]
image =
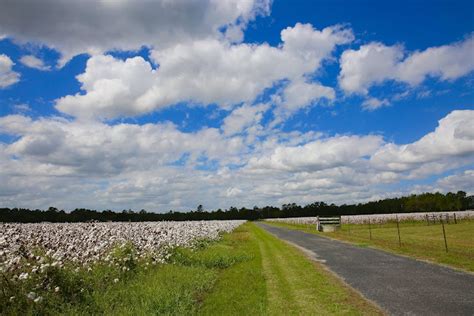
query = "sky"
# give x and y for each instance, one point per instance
(164, 105)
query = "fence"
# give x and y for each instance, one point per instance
(419, 216)
(396, 229)
(406, 225)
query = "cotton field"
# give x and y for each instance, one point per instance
(378, 218)
(383, 218)
(31, 248)
(295, 220)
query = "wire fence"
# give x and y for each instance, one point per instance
(432, 230)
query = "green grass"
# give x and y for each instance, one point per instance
(417, 240)
(241, 289)
(247, 272)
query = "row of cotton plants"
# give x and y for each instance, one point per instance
(295, 220)
(34, 254)
(380, 218)
(384, 218)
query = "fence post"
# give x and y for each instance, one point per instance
(444, 235)
(398, 229)
(455, 221)
(370, 231)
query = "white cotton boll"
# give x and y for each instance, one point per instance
(23, 276)
(85, 244)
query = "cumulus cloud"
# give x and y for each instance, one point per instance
(450, 144)
(375, 63)
(371, 104)
(202, 72)
(95, 27)
(112, 87)
(460, 181)
(54, 161)
(242, 118)
(8, 77)
(370, 64)
(21, 108)
(318, 155)
(34, 62)
(96, 148)
(299, 94)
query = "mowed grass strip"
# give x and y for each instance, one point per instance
(241, 289)
(418, 240)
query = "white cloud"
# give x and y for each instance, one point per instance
(451, 144)
(34, 62)
(319, 154)
(371, 104)
(447, 62)
(299, 94)
(95, 148)
(202, 72)
(463, 181)
(21, 108)
(112, 87)
(242, 118)
(95, 27)
(7, 75)
(371, 63)
(375, 63)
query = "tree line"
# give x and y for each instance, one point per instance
(426, 202)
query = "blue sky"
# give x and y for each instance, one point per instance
(166, 106)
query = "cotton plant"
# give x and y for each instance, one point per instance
(27, 249)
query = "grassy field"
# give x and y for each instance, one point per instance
(248, 272)
(417, 240)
